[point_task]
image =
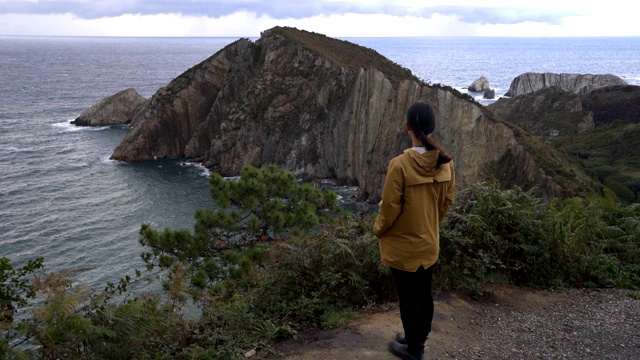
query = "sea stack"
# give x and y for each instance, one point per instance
(479, 85)
(117, 109)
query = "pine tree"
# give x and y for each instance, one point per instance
(262, 205)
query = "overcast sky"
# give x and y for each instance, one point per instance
(336, 18)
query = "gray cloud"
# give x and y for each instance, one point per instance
(501, 15)
(211, 8)
(278, 9)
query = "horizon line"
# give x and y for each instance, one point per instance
(336, 37)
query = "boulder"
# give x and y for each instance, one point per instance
(479, 85)
(325, 108)
(489, 94)
(576, 83)
(116, 109)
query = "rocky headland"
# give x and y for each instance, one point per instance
(326, 108)
(552, 108)
(577, 83)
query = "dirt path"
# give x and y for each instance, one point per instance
(513, 324)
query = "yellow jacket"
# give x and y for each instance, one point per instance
(415, 198)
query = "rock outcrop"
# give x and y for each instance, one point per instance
(546, 110)
(489, 94)
(323, 108)
(479, 85)
(116, 109)
(577, 83)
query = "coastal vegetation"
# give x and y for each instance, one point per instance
(609, 155)
(279, 256)
(588, 161)
(571, 180)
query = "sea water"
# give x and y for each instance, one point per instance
(63, 199)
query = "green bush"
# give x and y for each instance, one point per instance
(510, 236)
(71, 321)
(319, 279)
(495, 235)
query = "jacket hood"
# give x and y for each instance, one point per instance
(423, 168)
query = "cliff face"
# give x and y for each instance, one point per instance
(577, 83)
(119, 108)
(320, 107)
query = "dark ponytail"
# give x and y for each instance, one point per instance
(422, 121)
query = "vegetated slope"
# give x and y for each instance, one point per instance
(598, 130)
(610, 154)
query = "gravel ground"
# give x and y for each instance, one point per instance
(515, 323)
(577, 324)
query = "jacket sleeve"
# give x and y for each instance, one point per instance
(449, 195)
(391, 204)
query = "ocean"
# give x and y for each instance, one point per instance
(63, 199)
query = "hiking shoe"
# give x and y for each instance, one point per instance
(402, 351)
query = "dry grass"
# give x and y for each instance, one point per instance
(344, 53)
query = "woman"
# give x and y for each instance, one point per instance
(418, 192)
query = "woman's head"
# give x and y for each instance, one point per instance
(422, 121)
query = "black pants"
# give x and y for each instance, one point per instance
(416, 304)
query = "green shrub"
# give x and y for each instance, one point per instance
(510, 236)
(317, 280)
(494, 235)
(72, 321)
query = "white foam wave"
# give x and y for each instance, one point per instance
(107, 159)
(13, 149)
(67, 126)
(205, 172)
(328, 182)
(632, 80)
